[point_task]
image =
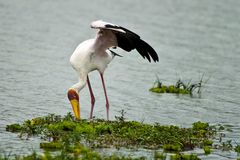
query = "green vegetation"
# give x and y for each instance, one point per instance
(237, 148)
(179, 88)
(169, 89)
(51, 145)
(99, 133)
(160, 156)
(172, 147)
(184, 157)
(207, 149)
(207, 142)
(77, 139)
(14, 128)
(80, 153)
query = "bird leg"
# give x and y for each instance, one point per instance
(105, 92)
(92, 97)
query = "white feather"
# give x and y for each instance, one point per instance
(99, 24)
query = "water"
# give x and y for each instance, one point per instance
(191, 37)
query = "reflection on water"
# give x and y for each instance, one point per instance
(191, 38)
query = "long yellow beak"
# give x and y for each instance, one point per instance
(74, 100)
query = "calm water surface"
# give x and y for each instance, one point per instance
(191, 37)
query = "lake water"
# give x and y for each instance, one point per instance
(191, 37)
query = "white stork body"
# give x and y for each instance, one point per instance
(90, 55)
(94, 54)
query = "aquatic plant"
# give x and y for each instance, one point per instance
(207, 150)
(184, 157)
(237, 148)
(179, 88)
(51, 145)
(169, 89)
(74, 137)
(14, 128)
(120, 133)
(80, 153)
(207, 142)
(160, 156)
(172, 147)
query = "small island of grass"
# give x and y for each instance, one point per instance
(179, 88)
(78, 139)
(75, 137)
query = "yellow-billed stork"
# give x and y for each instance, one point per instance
(94, 54)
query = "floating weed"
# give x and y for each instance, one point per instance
(207, 142)
(169, 89)
(51, 145)
(80, 153)
(160, 156)
(207, 150)
(119, 133)
(179, 88)
(172, 147)
(14, 128)
(67, 135)
(184, 157)
(200, 126)
(237, 148)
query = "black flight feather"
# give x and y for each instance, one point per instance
(130, 40)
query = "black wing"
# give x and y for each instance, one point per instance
(130, 40)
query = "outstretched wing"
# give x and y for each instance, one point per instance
(128, 40)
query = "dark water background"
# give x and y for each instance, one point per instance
(191, 37)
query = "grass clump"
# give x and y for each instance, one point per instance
(184, 157)
(14, 128)
(172, 147)
(207, 142)
(81, 153)
(237, 149)
(67, 134)
(51, 145)
(160, 156)
(179, 88)
(169, 89)
(207, 150)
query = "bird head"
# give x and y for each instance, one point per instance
(73, 97)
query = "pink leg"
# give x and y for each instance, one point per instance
(92, 97)
(105, 92)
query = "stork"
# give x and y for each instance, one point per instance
(95, 54)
